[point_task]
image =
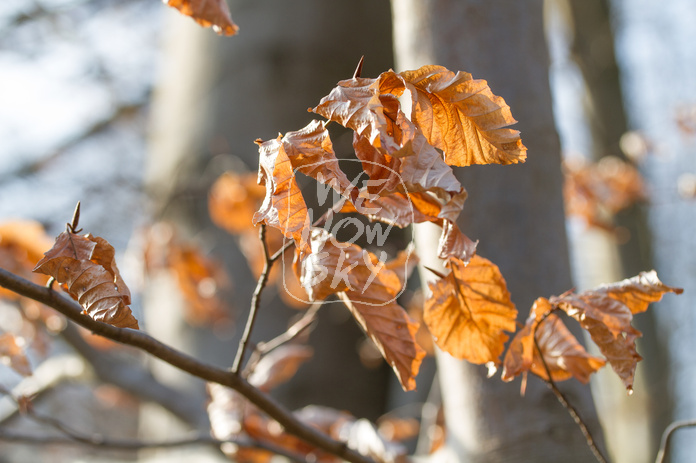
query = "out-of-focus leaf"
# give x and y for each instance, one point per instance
(369, 289)
(279, 366)
(86, 265)
(207, 13)
(607, 312)
(201, 280)
(232, 201)
(595, 192)
(12, 354)
(469, 310)
(398, 429)
(22, 244)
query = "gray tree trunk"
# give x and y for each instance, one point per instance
(517, 214)
(216, 96)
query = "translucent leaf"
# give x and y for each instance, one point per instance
(207, 13)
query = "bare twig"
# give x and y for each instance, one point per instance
(184, 362)
(667, 437)
(571, 410)
(255, 300)
(295, 329)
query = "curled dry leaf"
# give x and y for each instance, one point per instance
(86, 265)
(565, 357)
(469, 311)
(207, 13)
(607, 312)
(279, 366)
(369, 289)
(12, 354)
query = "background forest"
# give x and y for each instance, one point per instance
(136, 111)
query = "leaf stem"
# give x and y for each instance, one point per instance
(562, 399)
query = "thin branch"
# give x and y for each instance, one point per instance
(571, 410)
(295, 329)
(255, 301)
(667, 437)
(184, 362)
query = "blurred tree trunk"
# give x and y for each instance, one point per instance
(216, 96)
(647, 411)
(517, 214)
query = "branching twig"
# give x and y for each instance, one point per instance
(184, 362)
(571, 410)
(255, 300)
(667, 436)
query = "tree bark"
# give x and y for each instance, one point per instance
(517, 214)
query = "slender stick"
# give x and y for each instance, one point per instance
(255, 302)
(184, 362)
(667, 437)
(571, 410)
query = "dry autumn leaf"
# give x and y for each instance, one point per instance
(607, 312)
(369, 289)
(86, 265)
(469, 311)
(207, 13)
(12, 354)
(565, 357)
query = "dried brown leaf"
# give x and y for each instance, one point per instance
(86, 266)
(469, 309)
(369, 289)
(207, 13)
(607, 312)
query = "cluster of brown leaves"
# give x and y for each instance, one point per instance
(455, 120)
(605, 312)
(595, 192)
(233, 418)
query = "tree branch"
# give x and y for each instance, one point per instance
(255, 300)
(571, 410)
(184, 362)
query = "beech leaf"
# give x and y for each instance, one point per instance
(207, 13)
(469, 310)
(462, 117)
(607, 312)
(369, 289)
(12, 354)
(232, 201)
(86, 265)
